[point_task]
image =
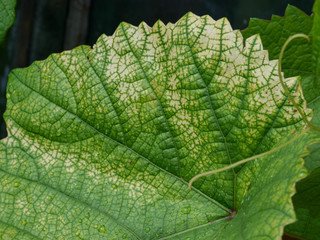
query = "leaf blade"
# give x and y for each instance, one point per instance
(118, 129)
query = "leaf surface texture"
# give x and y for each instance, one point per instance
(103, 140)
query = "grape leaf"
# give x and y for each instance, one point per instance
(313, 161)
(6, 16)
(306, 201)
(102, 141)
(307, 207)
(297, 60)
(301, 58)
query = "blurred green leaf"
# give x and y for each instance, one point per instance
(6, 16)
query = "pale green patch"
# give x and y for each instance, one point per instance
(102, 141)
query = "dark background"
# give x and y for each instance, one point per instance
(43, 27)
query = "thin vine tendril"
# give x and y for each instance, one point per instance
(287, 93)
(245, 160)
(284, 86)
